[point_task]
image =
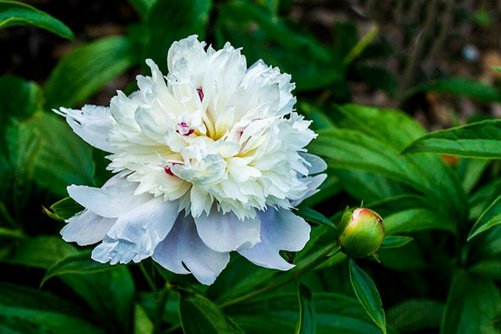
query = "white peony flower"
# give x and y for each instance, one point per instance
(209, 159)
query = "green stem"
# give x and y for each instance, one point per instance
(148, 278)
(161, 302)
(285, 280)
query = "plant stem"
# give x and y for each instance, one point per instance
(287, 279)
(161, 302)
(148, 278)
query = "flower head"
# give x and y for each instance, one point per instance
(208, 160)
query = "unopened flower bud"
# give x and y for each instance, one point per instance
(360, 232)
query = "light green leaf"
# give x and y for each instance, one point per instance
(470, 171)
(489, 218)
(200, 315)
(87, 68)
(415, 314)
(461, 87)
(395, 241)
(476, 140)
(142, 324)
(14, 13)
(79, 263)
(48, 312)
(367, 294)
(306, 323)
(471, 306)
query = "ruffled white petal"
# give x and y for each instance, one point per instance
(280, 230)
(86, 228)
(225, 232)
(92, 123)
(114, 198)
(183, 252)
(136, 233)
(316, 164)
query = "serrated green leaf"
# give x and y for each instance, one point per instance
(306, 323)
(395, 241)
(461, 87)
(471, 306)
(415, 314)
(200, 315)
(14, 13)
(87, 68)
(476, 140)
(367, 295)
(79, 263)
(489, 218)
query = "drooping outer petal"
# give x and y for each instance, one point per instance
(86, 228)
(92, 123)
(114, 198)
(225, 232)
(280, 230)
(183, 252)
(137, 232)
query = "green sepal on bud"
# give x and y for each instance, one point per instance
(360, 232)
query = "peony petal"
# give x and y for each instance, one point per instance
(313, 183)
(115, 197)
(92, 124)
(187, 60)
(137, 232)
(280, 230)
(86, 228)
(225, 232)
(317, 164)
(182, 252)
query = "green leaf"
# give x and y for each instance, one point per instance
(395, 241)
(489, 218)
(10, 233)
(39, 252)
(461, 87)
(416, 219)
(489, 267)
(143, 7)
(170, 21)
(415, 314)
(470, 171)
(314, 216)
(265, 36)
(277, 313)
(79, 263)
(18, 98)
(200, 315)
(48, 312)
(45, 150)
(306, 323)
(86, 69)
(63, 209)
(109, 293)
(142, 324)
(367, 294)
(471, 306)
(476, 140)
(14, 13)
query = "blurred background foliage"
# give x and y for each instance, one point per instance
(374, 76)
